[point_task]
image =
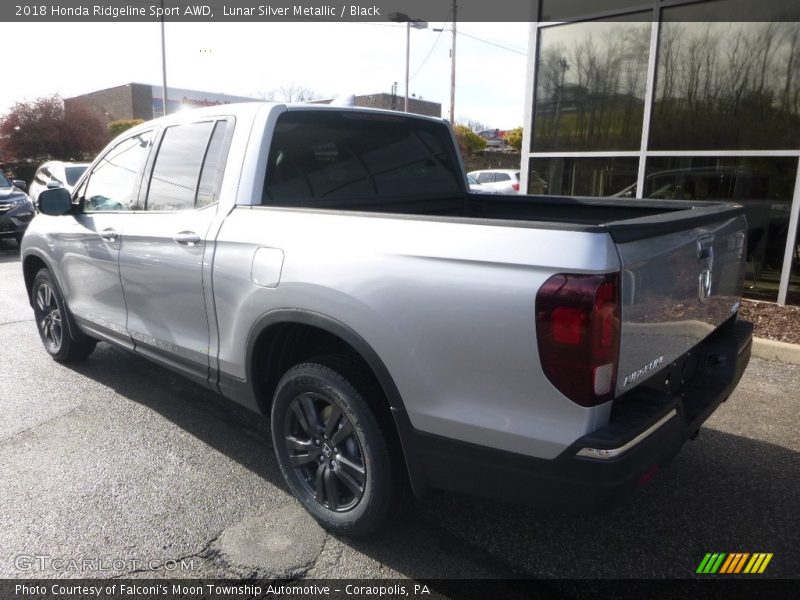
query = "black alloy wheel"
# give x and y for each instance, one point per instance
(334, 440)
(61, 337)
(324, 451)
(48, 317)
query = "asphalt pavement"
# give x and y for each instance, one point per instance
(117, 467)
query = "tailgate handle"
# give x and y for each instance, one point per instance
(705, 247)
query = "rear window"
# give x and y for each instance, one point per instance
(317, 158)
(73, 174)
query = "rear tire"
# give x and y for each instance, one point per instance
(334, 448)
(61, 337)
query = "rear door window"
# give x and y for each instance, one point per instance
(73, 174)
(187, 168)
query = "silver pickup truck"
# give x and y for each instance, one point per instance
(328, 267)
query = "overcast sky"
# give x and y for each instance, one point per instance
(254, 58)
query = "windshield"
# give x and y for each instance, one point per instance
(73, 174)
(4, 182)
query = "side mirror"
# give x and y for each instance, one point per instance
(55, 202)
(53, 184)
(20, 184)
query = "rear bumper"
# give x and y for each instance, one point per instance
(647, 428)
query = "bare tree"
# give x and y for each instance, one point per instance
(293, 93)
(472, 124)
(791, 70)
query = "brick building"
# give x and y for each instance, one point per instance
(143, 101)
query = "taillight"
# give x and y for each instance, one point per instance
(577, 329)
(515, 186)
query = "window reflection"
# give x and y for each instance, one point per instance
(726, 85)
(590, 86)
(764, 186)
(583, 176)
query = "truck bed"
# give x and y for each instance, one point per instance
(625, 220)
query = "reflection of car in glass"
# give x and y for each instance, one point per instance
(479, 188)
(502, 181)
(55, 174)
(767, 216)
(16, 209)
(536, 184)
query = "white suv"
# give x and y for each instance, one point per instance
(502, 181)
(56, 174)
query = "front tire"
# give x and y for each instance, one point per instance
(61, 338)
(333, 448)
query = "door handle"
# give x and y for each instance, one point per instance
(110, 235)
(187, 238)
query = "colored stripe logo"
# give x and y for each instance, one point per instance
(734, 563)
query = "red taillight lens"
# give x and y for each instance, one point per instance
(515, 186)
(577, 329)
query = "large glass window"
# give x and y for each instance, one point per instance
(590, 85)
(725, 86)
(114, 181)
(764, 186)
(583, 176)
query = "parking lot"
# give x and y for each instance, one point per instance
(120, 461)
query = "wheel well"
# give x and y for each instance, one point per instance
(283, 345)
(30, 267)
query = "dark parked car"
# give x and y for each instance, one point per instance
(16, 209)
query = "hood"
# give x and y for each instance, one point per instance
(8, 193)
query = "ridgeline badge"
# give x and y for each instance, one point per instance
(645, 369)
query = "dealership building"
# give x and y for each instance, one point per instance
(144, 101)
(660, 99)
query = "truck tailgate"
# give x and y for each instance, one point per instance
(677, 288)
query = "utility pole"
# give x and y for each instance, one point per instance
(398, 17)
(408, 60)
(453, 67)
(163, 61)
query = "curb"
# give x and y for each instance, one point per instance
(772, 350)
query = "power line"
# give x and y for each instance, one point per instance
(427, 56)
(491, 43)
